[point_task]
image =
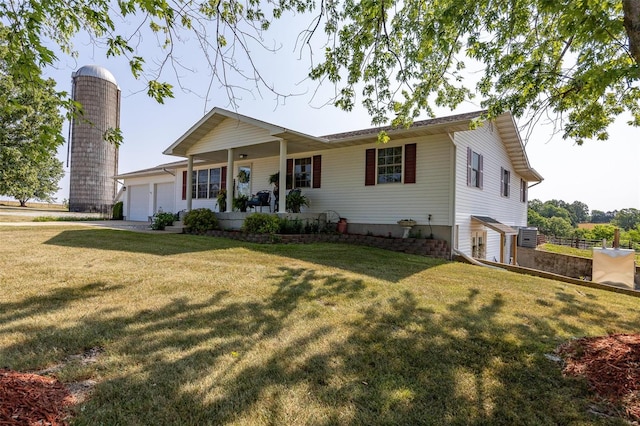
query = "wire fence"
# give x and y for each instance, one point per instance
(582, 243)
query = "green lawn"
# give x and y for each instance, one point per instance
(571, 251)
(197, 330)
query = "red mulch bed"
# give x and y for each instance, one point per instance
(611, 365)
(31, 399)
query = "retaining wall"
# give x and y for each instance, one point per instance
(562, 264)
(420, 246)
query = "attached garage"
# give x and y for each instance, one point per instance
(165, 199)
(138, 197)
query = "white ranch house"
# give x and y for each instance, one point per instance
(468, 187)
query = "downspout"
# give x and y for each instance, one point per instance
(189, 184)
(282, 185)
(452, 192)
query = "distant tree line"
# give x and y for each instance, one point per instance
(561, 219)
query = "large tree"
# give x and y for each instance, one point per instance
(25, 177)
(30, 132)
(579, 61)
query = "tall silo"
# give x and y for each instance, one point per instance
(94, 161)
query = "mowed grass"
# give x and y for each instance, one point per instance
(572, 251)
(199, 330)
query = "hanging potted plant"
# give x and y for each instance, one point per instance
(243, 176)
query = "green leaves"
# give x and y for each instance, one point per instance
(407, 57)
(579, 60)
(159, 91)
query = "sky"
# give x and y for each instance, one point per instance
(603, 174)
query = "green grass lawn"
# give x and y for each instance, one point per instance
(571, 251)
(198, 330)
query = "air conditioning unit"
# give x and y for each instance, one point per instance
(527, 237)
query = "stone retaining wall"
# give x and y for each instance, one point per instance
(420, 246)
(562, 264)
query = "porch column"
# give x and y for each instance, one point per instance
(282, 184)
(502, 244)
(514, 249)
(230, 153)
(188, 183)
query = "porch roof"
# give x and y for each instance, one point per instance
(493, 224)
(298, 142)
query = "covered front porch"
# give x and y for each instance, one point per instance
(237, 142)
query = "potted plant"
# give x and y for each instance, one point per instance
(295, 200)
(240, 202)
(222, 200)
(243, 176)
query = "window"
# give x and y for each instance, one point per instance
(523, 190)
(390, 165)
(302, 172)
(214, 182)
(474, 169)
(205, 183)
(505, 182)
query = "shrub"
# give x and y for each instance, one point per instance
(200, 220)
(162, 219)
(117, 213)
(261, 223)
(291, 226)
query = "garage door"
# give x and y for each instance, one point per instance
(165, 198)
(138, 202)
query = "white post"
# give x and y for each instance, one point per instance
(282, 184)
(229, 188)
(189, 177)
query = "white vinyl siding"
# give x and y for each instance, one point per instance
(231, 134)
(344, 191)
(489, 202)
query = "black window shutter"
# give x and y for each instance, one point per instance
(480, 172)
(469, 169)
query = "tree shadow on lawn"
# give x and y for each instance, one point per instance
(283, 359)
(377, 263)
(136, 242)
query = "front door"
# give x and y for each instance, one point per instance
(243, 181)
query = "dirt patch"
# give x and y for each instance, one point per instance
(611, 366)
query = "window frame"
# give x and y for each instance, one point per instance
(475, 175)
(505, 182)
(524, 190)
(298, 172)
(397, 168)
(196, 184)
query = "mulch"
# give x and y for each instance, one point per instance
(611, 366)
(31, 399)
